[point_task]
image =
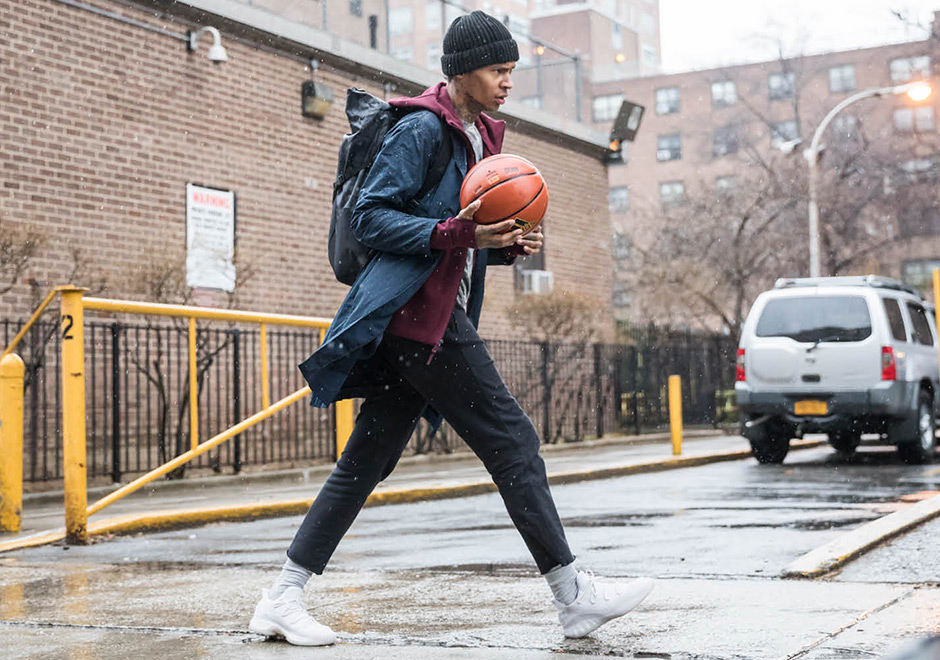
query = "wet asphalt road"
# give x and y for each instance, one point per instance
(454, 578)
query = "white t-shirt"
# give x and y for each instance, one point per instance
(463, 292)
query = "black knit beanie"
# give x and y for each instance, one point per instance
(474, 41)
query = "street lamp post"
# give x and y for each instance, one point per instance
(918, 91)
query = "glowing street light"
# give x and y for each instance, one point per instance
(916, 91)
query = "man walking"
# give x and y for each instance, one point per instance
(405, 341)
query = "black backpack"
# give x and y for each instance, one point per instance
(370, 119)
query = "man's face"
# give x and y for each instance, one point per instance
(489, 86)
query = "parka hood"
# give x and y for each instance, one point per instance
(437, 100)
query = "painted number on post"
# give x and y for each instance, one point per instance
(67, 323)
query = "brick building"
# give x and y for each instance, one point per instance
(710, 129)
(105, 118)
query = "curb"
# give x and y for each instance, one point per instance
(850, 545)
(179, 518)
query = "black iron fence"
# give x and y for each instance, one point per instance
(137, 394)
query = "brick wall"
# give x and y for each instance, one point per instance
(102, 124)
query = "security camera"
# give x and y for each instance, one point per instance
(217, 52)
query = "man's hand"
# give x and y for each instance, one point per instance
(532, 242)
(497, 235)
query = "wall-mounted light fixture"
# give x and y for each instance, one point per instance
(624, 129)
(216, 53)
(316, 98)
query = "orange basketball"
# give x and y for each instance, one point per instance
(508, 187)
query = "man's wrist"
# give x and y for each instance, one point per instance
(454, 233)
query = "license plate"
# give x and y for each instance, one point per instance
(811, 408)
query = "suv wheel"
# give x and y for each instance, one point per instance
(920, 449)
(845, 441)
(770, 442)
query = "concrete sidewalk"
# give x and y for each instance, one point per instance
(167, 504)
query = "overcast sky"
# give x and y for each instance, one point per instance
(701, 34)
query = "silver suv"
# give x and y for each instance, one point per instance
(841, 356)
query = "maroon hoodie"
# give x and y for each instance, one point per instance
(424, 318)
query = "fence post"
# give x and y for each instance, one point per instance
(634, 385)
(73, 415)
(344, 424)
(546, 396)
(598, 391)
(236, 399)
(115, 402)
(675, 413)
(12, 373)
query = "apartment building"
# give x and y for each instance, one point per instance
(565, 47)
(711, 129)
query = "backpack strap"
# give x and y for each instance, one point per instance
(439, 166)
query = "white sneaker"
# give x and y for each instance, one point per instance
(288, 618)
(599, 602)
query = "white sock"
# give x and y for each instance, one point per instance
(292, 575)
(563, 581)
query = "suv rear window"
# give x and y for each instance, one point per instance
(893, 310)
(816, 318)
(922, 333)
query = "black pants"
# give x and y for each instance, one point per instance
(462, 383)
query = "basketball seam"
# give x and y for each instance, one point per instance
(497, 185)
(527, 205)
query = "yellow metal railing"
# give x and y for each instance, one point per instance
(73, 305)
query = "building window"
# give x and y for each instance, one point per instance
(432, 15)
(918, 220)
(918, 170)
(616, 36)
(724, 141)
(919, 272)
(355, 7)
(667, 100)
(405, 54)
(605, 108)
(532, 101)
(619, 199)
(671, 192)
(400, 21)
(914, 120)
(781, 85)
(650, 55)
(784, 131)
(621, 246)
(622, 298)
(725, 185)
(905, 69)
(842, 78)
(845, 127)
(724, 93)
(669, 147)
(433, 55)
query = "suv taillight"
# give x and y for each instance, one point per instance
(889, 365)
(739, 374)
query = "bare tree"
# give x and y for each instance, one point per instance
(19, 245)
(566, 325)
(703, 260)
(160, 277)
(713, 252)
